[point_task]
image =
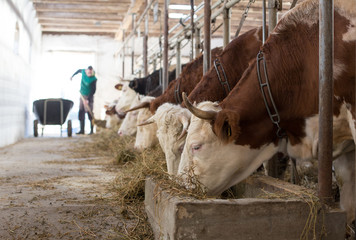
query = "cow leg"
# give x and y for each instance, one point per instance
(345, 176)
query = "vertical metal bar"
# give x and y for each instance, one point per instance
(272, 15)
(145, 39)
(227, 23)
(123, 54)
(197, 42)
(133, 44)
(178, 56)
(326, 52)
(61, 107)
(274, 163)
(263, 21)
(207, 35)
(165, 47)
(192, 29)
(154, 64)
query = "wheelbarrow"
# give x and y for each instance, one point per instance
(52, 111)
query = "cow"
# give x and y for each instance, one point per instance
(150, 85)
(111, 116)
(246, 46)
(172, 123)
(146, 135)
(126, 98)
(226, 142)
(232, 63)
(187, 80)
(128, 126)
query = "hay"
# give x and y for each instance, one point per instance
(107, 143)
(128, 189)
(315, 207)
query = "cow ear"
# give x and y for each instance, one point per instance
(106, 106)
(226, 126)
(118, 86)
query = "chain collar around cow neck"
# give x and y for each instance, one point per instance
(176, 92)
(224, 83)
(272, 112)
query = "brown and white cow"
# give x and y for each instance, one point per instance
(231, 139)
(187, 80)
(245, 46)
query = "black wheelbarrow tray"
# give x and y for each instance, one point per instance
(52, 111)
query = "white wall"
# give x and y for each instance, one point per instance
(16, 59)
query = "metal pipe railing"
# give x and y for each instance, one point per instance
(326, 56)
(179, 37)
(207, 36)
(125, 41)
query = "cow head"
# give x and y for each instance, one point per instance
(146, 135)
(172, 124)
(125, 101)
(218, 163)
(111, 117)
(133, 84)
(128, 126)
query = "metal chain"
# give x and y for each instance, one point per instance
(243, 17)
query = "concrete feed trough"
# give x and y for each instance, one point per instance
(175, 217)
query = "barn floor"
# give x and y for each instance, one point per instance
(46, 194)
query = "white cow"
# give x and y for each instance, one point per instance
(146, 135)
(128, 126)
(126, 98)
(172, 124)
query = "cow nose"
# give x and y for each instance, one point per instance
(120, 133)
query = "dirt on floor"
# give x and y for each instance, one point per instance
(47, 193)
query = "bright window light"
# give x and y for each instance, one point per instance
(177, 15)
(180, 7)
(180, 15)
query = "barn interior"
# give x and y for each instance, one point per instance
(48, 40)
(44, 42)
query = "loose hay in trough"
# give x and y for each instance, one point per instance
(128, 189)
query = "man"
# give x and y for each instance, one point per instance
(87, 90)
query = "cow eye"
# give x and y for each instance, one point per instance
(196, 147)
(180, 149)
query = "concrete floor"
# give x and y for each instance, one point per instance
(46, 193)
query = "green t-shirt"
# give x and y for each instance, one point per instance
(86, 82)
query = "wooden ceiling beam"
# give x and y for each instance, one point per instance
(109, 34)
(77, 29)
(44, 21)
(65, 15)
(41, 7)
(86, 2)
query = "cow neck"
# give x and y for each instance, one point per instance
(233, 61)
(177, 92)
(148, 85)
(222, 77)
(266, 93)
(246, 104)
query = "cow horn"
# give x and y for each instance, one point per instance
(206, 115)
(142, 105)
(185, 123)
(147, 122)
